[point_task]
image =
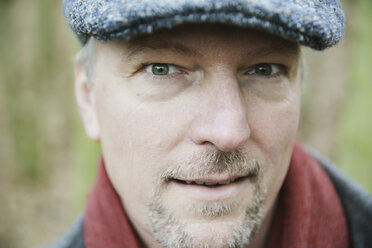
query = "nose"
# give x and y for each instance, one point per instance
(222, 117)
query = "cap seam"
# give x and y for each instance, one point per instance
(135, 26)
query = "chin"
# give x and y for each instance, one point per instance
(220, 234)
(234, 228)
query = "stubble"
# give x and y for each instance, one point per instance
(171, 232)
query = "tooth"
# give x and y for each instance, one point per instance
(226, 182)
(200, 183)
(209, 184)
(188, 182)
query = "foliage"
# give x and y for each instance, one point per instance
(48, 162)
(354, 146)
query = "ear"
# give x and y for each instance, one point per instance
(85, 100)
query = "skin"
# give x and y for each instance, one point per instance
(211, 100)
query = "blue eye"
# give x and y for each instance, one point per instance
(161, 69)
(265, 69)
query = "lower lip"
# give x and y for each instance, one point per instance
(205, 193)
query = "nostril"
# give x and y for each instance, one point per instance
(222, 122)
(231, 139)
(223, 137)
(206, 143)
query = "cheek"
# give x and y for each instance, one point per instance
(274, 123)
(273, 131)
(136, 136)
(275, 128)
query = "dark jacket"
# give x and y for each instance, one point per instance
(357, 203)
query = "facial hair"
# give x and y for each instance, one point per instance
(170, 232)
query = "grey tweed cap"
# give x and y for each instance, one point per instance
(315, 23)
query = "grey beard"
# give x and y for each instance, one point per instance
(167, 229)
(210, 162)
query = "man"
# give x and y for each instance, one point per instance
(196, 105)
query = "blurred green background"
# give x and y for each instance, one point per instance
(48, 164)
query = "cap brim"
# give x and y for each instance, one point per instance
(317, 24)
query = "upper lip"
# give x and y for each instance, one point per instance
(213, 179)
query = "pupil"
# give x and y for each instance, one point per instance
(160, 69)
(264, 69)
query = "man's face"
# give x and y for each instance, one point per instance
(197, 125)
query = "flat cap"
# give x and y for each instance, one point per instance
(315, 23)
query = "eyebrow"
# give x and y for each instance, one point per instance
(277, 49)
(142, 47)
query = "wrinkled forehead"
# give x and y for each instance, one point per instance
(193, 40)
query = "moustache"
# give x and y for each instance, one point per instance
(211, 162)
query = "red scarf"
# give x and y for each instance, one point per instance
(309, 212)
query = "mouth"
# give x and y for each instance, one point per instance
(212, 188)
(210, 182)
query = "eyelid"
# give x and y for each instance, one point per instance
(172, 68)
(279, 70)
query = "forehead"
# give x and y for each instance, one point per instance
(194, 39)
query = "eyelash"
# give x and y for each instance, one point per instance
(282, 70)
(143, 66)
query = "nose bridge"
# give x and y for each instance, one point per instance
(223, 119)
(228, 101)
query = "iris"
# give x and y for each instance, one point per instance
(160, 69)
(263, 69)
